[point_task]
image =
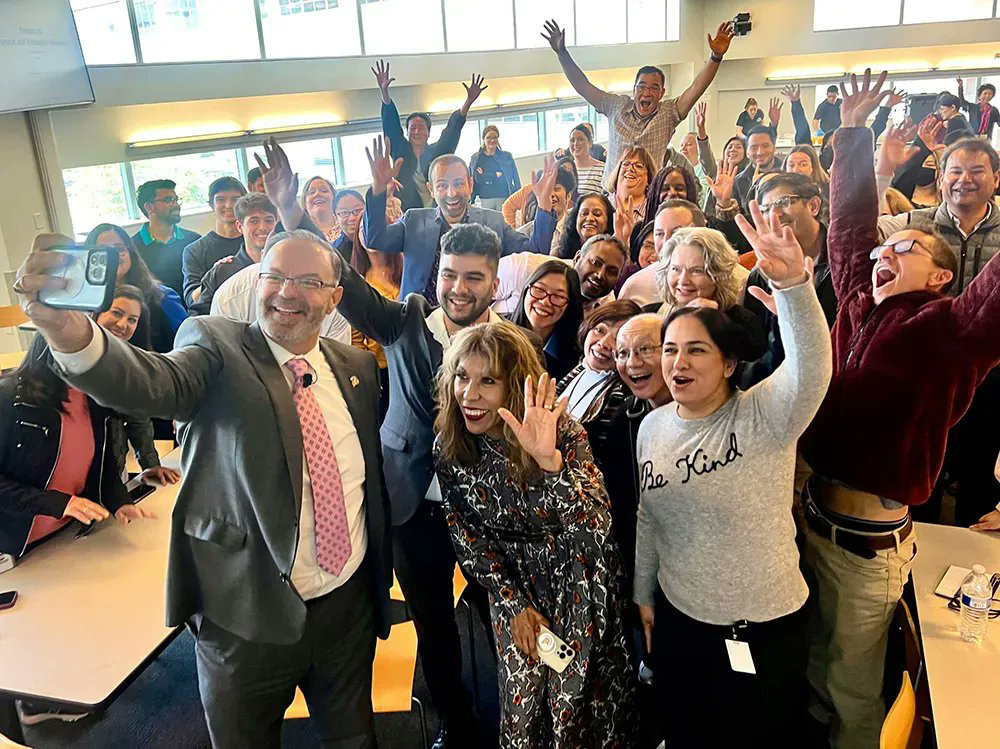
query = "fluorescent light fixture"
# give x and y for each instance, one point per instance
(524, 97)
(187, 139)
(293, 128)
(184, 133)
(969, 63)
(792, 74)
(293, 121)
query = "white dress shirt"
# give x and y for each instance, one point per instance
(309, 579)
(642, 286)
(236, 300)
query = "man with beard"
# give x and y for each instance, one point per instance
(279, 553)
(160, 241)
(599, 263)
(414, 334)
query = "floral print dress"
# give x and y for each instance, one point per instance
(548, 545)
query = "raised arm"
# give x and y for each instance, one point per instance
(368, 311)
(719, 45)
(378, 235)
(391, 127)
(540, 241)
(705, 156)
(977, 316)
(803, 134)
(853, 194)
(556, 38)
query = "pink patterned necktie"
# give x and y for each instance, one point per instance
(333, 538)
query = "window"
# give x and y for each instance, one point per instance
(309, 158)
(559, 123)
(518, 133)
(193, 173)
(466, 30)
(352, 149)
(396, 27)
(468, 142)
(673, 20)
(930, 11)
(96, 194)
(602, 22)
(309, 28)
(647, 20)
(531, 18)
(854, 14)
(192, 30)
(602, 131)
(104, 31)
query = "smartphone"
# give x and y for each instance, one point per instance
(8, 599)
(91, 272)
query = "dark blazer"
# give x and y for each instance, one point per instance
(507, 166)
(234, 529)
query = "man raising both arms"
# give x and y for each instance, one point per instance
(642, 119)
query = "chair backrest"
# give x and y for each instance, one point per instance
(912, 649)
(901, 729)
(11, 316)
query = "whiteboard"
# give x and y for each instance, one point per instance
(40, 57)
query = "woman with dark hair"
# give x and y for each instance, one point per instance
(166, 310)
(317, 201)
(751, 116)
(589, 171)
(520, 208)
(529, 519)
(55, 464)
(642, 253)
(494, 173)
(668, 183)
(551, 306)
(348, 207)
(592, 214)
(717, 568)
(803, 159)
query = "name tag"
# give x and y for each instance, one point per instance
(739, 656)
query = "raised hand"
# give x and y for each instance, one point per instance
(381, 73)
(384, 170)
(779, 254)
(542, 183)
(555, 36)
(894, 152)
(896, 97)
(719, 44)
(539, 429)
(929, 130)
(774, 111)
(280, 183)
(624, 219)
(700, 110)
(858, 105)
(766, 299)
(473, 90)
(792, 93)
(722, 184)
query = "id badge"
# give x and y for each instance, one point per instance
(739, 656)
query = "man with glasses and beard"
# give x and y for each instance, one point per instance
(160, 241)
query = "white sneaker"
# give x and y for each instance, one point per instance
(32, 715)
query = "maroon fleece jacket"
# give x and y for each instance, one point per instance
(904, 371)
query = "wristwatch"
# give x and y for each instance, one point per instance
(715, 58)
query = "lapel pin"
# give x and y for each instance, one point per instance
(355, 381)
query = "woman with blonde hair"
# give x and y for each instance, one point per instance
(529, 518)
(699, 268)
(627, 187)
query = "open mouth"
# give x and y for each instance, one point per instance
(680, 381)
(474, 414)
(594, 286)
(600, 354)
(453, 205)
(883, 276)
(639, 379)
(286, 312)
(320, 201)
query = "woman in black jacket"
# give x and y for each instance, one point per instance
(57, 462)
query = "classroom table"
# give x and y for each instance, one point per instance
(964, 678)
(11, 360)
(90, 613)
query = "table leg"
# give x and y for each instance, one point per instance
(10, 724)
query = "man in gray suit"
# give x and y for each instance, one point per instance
(280, 557)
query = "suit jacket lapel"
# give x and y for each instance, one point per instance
(289, 429)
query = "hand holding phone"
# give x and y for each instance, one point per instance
(90, 274)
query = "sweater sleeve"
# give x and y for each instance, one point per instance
(853, 211)
(789, 398)
(905, 179)
(140, 436)
(393, 130)
(803, 133)
(448, 141)
(513, 204)
(977, 314)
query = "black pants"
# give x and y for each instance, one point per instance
(707, 704)
(246, 686)
(425, 559)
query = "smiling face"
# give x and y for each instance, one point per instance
(674, 186)
(111, 239)
(638, 358)
(600, 345)
(122, 318)
(752, 110)
(760, 148)
(560, 201)
(592, 219)
(223, 203)
(417, 132)
(578, 144)
(686, 275)
(647, 252)
(693, 366)
(899, 273)
(799, 163)
(667, 222)
(599, 268)
(947, 112)
(289, 315)
(256, 228)
(480, 394)
(349, 211)
(633, 178)
(491, 141)
(451, 189)
(689, 147)
(165, 206)
(985, 96)
(646, 93)
(319, 198)
(735, 152)
(801, 215)
(466, 286)
(545, 302)
(968, 181)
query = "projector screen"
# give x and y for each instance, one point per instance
(40, 57)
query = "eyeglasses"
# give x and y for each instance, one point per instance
(642, 87)
(695, 272)
(306, 283)
(955, 604)
(633, 165)
(169, 200)
(900, 248)
(556, 298)
(644, 353)
(781, 203)
(352, 212)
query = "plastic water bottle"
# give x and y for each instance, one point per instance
(976, 600)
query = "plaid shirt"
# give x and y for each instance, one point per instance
(629, 129)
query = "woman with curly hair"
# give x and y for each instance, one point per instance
(529, 518)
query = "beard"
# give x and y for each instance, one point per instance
(464, 319)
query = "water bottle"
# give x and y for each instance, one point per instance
(976, 598)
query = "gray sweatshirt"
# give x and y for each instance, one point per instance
(715, 528)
